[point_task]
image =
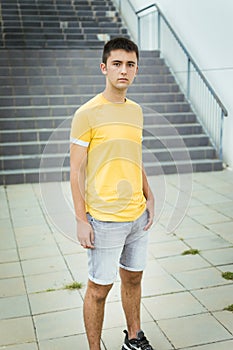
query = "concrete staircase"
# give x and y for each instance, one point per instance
(58, 23)
(41, 88)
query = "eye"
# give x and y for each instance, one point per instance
(131, 65)
(117, 64)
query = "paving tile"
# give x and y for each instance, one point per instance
(12, 287)
(33, 230)
(24, 346)
(215, 298)
(8, 255)
(224, 345)
(114, 316)
(160, 285)
(40, 283)
(34, 252)
(202, 278)
(183, 263)
(6, 235)
(194, 231)
(68, 342)
(59, 324)
(78, 265)
(14, 307)
(34, 239)
(113, 338)
(223, 229)
(173, 305)
(225, 209)
(4, 212)
(209, 197)
(43, 265)
(198, 211)
(160, 250)
(225, 317)
(153, 268)
(208, 218)
(207, 243)
(194, 330)
(24, 222)
(114, 294)
(70, 247)
(219, 256)
(26, 212)
(16, 330)
(158, 234)
(225, 268)
(54, 301)
(12, 269)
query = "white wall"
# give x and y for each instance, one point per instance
(206, 29)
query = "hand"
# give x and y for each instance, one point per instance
(150, 210)
(85, 234)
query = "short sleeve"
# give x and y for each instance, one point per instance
(80, 129)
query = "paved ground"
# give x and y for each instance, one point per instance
(184, 296)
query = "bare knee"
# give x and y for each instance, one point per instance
(132, 278)
(97, 292)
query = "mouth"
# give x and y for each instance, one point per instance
(123, 80)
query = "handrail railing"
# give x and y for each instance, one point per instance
(185, 51)
(196, 87)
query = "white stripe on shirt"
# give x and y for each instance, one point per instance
(79, 142)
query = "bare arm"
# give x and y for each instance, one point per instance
(149, 199)
(78, 159)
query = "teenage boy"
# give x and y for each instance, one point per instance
(114, 205)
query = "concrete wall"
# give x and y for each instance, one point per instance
(206, 29)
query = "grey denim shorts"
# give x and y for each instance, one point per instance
(117, 244)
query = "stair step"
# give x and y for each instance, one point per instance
(178, 154)
(72, 62)
(67, 110)
(57, 174)
(150, 157)
(78, 88)
(200, 165)
(150, 142)
(53, 122)
(171, 129)
(21, 135)
(51, 100)
(175, 141)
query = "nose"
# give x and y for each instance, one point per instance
(123, 69)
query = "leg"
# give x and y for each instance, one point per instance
(94, 303)
(131, 299)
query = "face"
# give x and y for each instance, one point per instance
(120, 69)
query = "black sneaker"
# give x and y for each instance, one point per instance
(140, 343)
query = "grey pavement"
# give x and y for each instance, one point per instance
(184, 296)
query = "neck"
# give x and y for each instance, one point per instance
(115, 97)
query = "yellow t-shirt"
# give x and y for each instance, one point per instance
(113, 134)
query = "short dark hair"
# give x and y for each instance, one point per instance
(119, 43)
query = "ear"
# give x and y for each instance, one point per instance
(136, 71)
(103, 68)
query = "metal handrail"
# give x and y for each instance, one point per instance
(225, 113)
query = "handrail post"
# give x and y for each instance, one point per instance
(188, 77)
(139, 32)
(159, 31)
(221, 136)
